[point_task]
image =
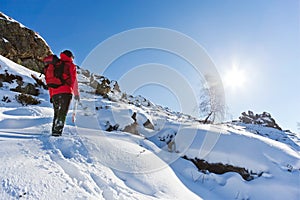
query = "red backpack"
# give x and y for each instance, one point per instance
(55, 72)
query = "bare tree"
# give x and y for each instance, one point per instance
(211, 105)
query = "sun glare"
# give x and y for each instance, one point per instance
(235, 78)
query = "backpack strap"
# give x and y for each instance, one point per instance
(63, 81)
(62, 66)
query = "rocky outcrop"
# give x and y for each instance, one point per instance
(264, 119)
(132, 128)
(22, 87)
(220, 168)
(148, 125)
(21, 45)
(101, 85)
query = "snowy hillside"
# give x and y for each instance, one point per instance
(97, 157)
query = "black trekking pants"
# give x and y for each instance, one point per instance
(61, 103)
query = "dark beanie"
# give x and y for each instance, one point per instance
(68, 53)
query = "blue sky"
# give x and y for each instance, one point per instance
(261, 37)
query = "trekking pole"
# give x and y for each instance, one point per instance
(74, 111)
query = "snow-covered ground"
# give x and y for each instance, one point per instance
(88, 162)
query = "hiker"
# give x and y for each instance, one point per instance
(61, 95)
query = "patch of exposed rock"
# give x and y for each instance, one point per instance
(264, 119)
(21, 45)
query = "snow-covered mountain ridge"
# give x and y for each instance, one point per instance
(89, 162)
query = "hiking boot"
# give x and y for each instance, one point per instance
(56, 134)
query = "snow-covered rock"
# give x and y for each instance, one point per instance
(263, 119)
(21, 44)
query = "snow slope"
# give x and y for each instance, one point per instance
(88, 162)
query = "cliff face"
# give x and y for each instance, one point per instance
(21, 44)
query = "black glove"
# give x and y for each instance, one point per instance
(51, 101)
(77, 98)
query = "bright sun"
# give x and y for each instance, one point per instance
(235, 78)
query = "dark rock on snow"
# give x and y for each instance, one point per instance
(21, 45)
(264, 119)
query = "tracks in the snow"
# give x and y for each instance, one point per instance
(71, 155)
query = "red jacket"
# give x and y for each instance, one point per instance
(73, 87)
